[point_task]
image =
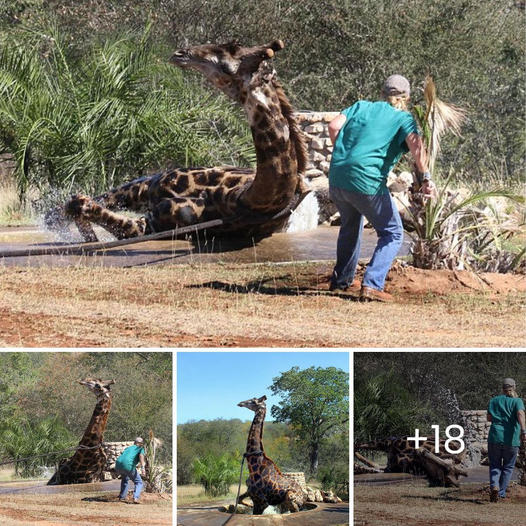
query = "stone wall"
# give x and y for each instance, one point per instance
(476, 425)
(299, 477)
(315, 126)
(113, 451)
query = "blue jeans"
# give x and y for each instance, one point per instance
(383, 215)
(501, 464)
(126, 476)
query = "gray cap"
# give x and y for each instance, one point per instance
(139, 440)
(508, 382)
(397, 85)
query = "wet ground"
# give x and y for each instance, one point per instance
(313, 245)
(209, 515)
(478, 474)
(40, 487)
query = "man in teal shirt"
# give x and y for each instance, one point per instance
(368, 139)
(126, 466)
(508, 429)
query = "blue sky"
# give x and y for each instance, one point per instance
(211, 384)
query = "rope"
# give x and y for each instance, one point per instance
(238, 490)
(84, 248)
(16, 460)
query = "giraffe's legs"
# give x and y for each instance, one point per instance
(84, 210)
(85, 229)
(167, 214)
(242, 497)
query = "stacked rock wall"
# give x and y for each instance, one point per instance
(477, 425)
(113, 451)
(315, 126)
(299, 477)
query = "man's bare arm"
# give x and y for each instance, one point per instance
(418, 151)
(335, 126)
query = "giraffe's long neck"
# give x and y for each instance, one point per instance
(255, 435)
(94, 433)
(279, 145)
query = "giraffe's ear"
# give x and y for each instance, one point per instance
(262, 399)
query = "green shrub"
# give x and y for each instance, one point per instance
(20, 438)
(375, 414)
(335, 478)
(216, 473)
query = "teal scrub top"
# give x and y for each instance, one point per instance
(129, 458)
(505, 428)
(369, 144)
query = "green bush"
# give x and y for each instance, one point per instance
(335, 478)
(216, 473)
(20, 438)
(384, 407)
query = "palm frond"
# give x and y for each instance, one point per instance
(440, 117)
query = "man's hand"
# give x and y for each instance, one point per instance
(429, 189)
(523, 438)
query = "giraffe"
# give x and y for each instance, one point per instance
(87, 463)
(266, 484)
(186, 196)
(402, 457)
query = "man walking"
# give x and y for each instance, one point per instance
(126, 466)
(507, 431)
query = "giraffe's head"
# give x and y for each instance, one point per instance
(254, 404)
(226, 66)
(100, 388)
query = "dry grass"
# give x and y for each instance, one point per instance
(12, 211)
(417, 505)
(7, 474)
(195, 493)
(212, 305)
(96, 509)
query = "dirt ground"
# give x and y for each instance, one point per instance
(415, 504)
(94, 508)
(254, 305)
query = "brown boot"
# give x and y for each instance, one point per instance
(494, 495)
(369, 294)
(353, 288)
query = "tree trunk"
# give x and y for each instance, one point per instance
(314, 453)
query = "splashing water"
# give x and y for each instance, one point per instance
(305, 217)
(274, 510)
(450, 406)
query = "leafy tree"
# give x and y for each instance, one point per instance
(315, 401)
(17, 370)
(197, 439)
